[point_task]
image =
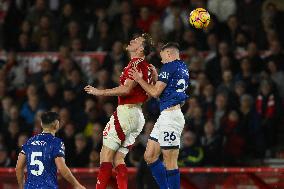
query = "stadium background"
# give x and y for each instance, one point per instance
(51, 49)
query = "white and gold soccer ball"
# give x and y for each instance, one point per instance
(199, 18)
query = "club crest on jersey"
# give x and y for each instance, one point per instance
(105, 133)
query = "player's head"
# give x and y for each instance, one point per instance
(50, 121)
(141, 45)
(170, 52)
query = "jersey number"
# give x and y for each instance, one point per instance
(37, 162)
(181, 83)
(169, 136)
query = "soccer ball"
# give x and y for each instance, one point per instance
(199, 18)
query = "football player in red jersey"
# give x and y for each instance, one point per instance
(127, 121)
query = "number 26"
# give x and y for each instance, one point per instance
(169, 136)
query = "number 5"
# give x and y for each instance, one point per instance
(34, 161)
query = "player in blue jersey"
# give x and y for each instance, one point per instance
(172, 82)
(43, 154)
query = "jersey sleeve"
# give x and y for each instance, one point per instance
(24, 149)
(164, 74)
(59, 149)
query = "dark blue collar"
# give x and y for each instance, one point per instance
(173, 61)
(42, 133)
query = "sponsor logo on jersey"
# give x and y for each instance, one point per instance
(38, 143)
(164, 75)
(135, 63)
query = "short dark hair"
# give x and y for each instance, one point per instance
(147, 43)
(49, 117)
(171, 45)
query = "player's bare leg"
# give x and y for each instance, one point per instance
(121, 170)
(107, 154)
(118, 159)
(170, 160)
(157, 167)
(152, 152)
(106, 159)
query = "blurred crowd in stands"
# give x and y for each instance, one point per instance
(235, 110)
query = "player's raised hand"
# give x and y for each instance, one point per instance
(154, 73)
(135, 74)
(92, 90)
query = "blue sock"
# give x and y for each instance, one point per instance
(159, 173)
(173, 179)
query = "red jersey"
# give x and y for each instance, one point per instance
(137, 94)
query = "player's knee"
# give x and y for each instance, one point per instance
(150, 157)
(170, 159)
(105, 157)
(106, 154)
(170, 163)
(152, 152)
(118, 159)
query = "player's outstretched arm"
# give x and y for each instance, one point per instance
(21, 164)
(121, 90)
(152, 90)
(66, 173)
